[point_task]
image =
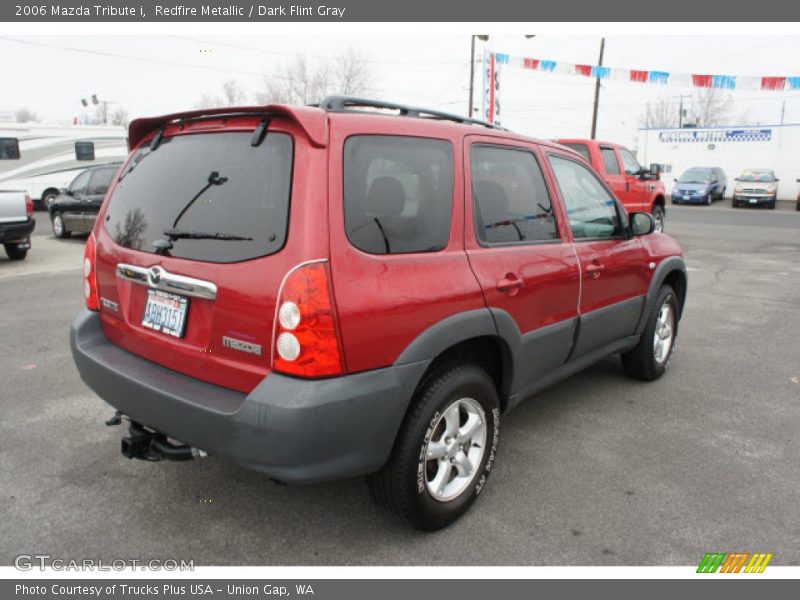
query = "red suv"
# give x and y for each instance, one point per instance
(359, 288)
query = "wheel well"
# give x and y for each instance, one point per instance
(677, 280)
(659, 201)
(490, 352)
(44, 193)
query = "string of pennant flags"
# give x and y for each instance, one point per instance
(727, 82)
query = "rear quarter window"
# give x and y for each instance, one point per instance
(398, 193)
(84, 150)
(209, 183)
(581, 149)
(9, 149)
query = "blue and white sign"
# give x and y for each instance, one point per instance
(715, 135)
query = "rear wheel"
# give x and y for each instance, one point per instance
(59, 229)
(15, 252)
(445, 449)
(658, 216)
(649, 359)
(48, 198)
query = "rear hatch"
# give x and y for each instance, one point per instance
(190, 249)
(12, 207)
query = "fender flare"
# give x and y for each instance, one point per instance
(667, 266)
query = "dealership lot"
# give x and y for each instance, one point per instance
(598, 469)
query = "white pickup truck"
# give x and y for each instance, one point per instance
(16, 223)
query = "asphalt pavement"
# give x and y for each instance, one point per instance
(597, 470)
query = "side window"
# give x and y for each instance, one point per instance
(398, 193)
(101, 179)
(9, 149)
(610, 161)
(510, 196)
(592, 210)
(84, 150)
(80, 184)
(632, 166)
(581, 149)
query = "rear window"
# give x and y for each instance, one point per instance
(84, 150)
(205, 184)
(581, 149)
(398, 193)
(9, 149)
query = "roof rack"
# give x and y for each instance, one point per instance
(340, 104)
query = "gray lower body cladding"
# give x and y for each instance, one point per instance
(294, 430)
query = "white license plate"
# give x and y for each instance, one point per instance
(753, 200)
(687, 197)
(165, 312)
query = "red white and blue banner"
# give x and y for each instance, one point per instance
(727, 82)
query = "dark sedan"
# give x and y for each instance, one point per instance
(700, 185)
(75, 208)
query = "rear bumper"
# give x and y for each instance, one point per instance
(16, 232)
(291, 429)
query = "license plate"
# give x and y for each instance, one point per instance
(687, 197)
(753, 200)
(165, 312)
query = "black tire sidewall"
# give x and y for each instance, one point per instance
(666, 294)
(467, 381)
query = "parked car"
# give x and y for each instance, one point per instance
(700, 185)
(755, 187)
(295, 289)
(639, 189)
(16, 223)
(75, 208)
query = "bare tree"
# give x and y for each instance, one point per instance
(24, 115)
(119, 117)
(232, 95)
(712, 107)
(662, 114)
(300, 82)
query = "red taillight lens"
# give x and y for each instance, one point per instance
(306, 341)
(90, 292)
(28, 206)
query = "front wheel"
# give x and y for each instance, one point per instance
(15, 251)
(658, 216)
(771, 205)
(59, 229)
(445, 449)
(648, 360)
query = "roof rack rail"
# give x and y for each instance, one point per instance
(348, 104)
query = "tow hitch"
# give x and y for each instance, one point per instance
(146, 444)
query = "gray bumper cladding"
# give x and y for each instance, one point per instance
(294, 430)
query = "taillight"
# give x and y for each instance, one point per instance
(305, 341)
(28, 206)
(90, 292)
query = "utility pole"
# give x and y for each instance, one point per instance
(681, 110)
(597, 89)
(783, 110)
(483, 38)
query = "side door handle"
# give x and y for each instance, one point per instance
(594, 268)
(510, 284)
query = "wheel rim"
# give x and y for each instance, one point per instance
(49, 200)
(664, 334)
(58, 225)
(659, 221)
(454, 452)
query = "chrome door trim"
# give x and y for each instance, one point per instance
(158, 278)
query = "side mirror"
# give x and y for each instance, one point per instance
(64, 191)
(777, 180)
(642, 223)
(655, 169)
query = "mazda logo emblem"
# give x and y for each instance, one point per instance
(154, 275)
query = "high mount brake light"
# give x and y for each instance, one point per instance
(90, 292)
(306, 340)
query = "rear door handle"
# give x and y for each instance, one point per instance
(510, 284)
(594, 269)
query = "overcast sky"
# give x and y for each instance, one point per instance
(156, 74)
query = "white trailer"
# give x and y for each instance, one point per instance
(41, 159)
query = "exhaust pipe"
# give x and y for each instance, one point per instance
(144, 444)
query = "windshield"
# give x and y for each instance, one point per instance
(762, 176)
(229, 199)
(695, 176)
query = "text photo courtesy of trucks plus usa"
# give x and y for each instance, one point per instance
(280, 300)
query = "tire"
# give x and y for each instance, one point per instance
(722, 194)
(59, 228)
(658, 215)
(14, 252)
(734, 204)
(771, 205)
(645, 361)
(709, 199)
(48, 198)
(422, 461)
(676, 202)
(797, 207)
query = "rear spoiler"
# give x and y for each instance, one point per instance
(313, 121)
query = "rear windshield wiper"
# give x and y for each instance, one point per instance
(186, 234)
